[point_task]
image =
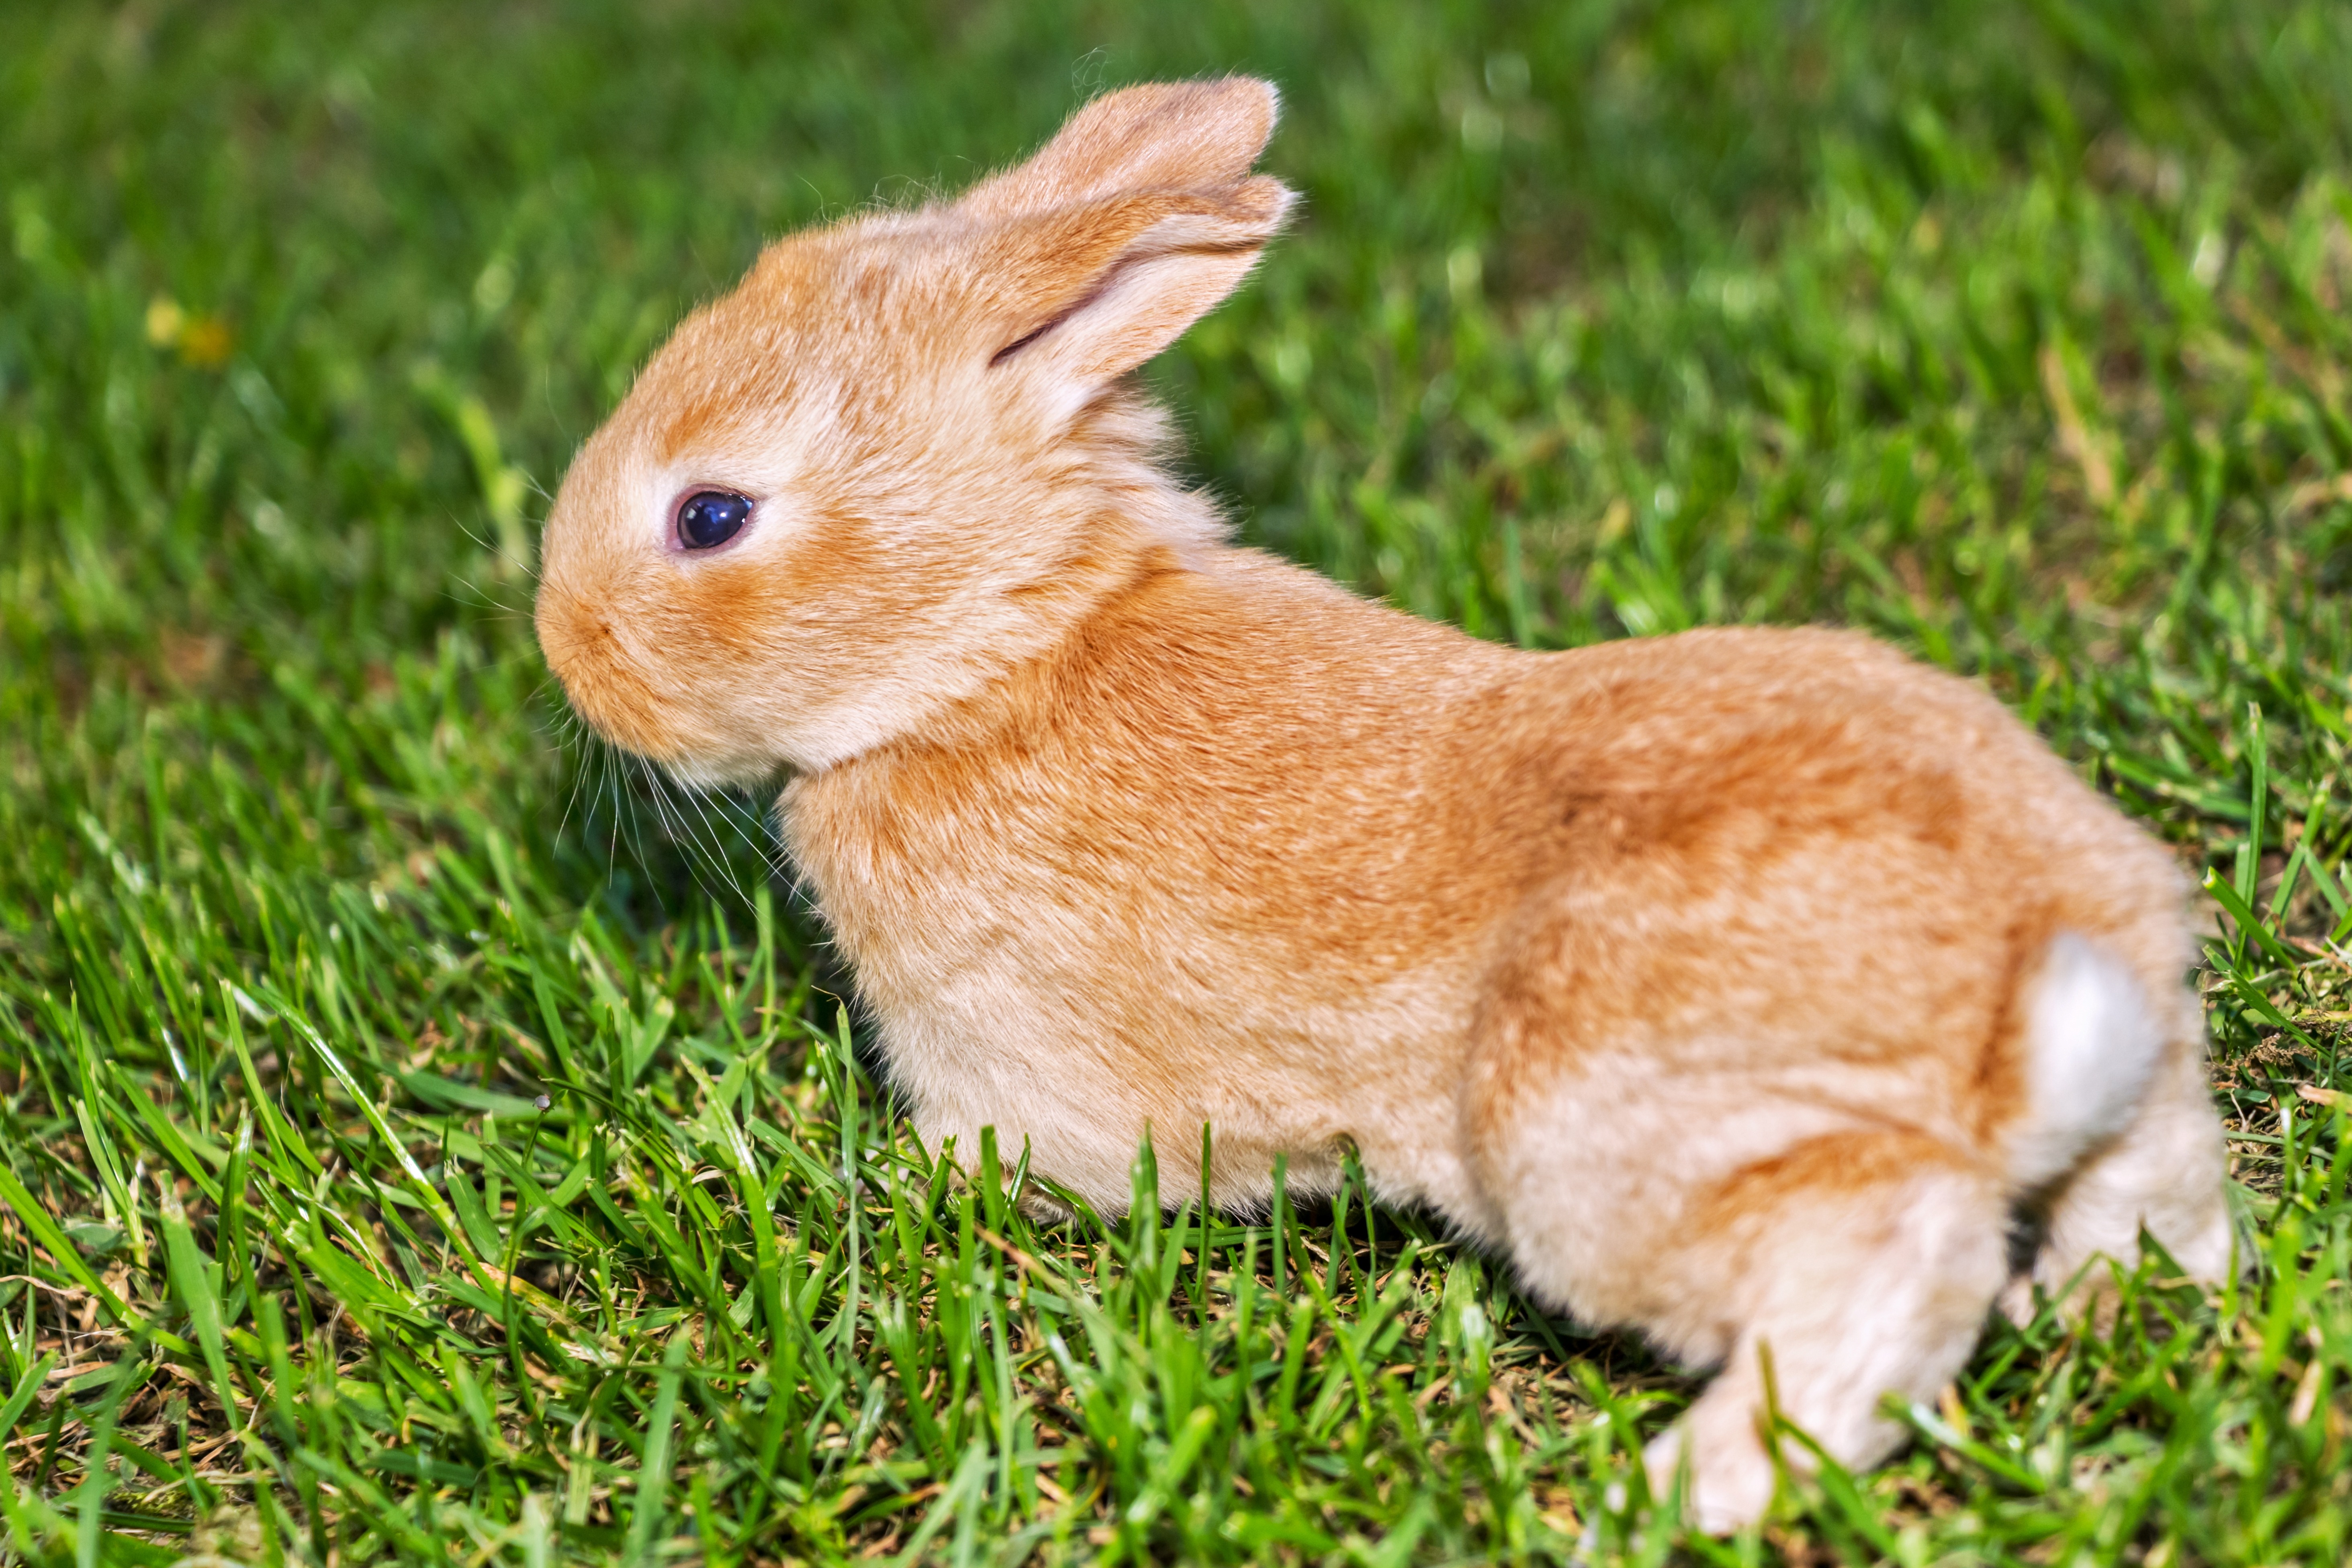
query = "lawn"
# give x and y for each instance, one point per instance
(423, 1136)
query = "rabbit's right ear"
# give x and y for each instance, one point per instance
(1125, 228)
(1084, 294)
(1161, 136)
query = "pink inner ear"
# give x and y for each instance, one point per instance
(1149, 307)
(1099, 288)
(1117, 281)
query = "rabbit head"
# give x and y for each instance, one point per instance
(903, 453)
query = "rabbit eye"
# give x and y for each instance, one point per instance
(711, 518)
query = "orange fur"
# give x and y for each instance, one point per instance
(1738, 984)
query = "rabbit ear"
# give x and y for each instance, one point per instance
(1161, 136)
(1088, 293)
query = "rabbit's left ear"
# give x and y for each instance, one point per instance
(1088, 293)
(1162, 136)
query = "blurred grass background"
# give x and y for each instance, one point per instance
(2016, 332)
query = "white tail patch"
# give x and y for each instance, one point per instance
(2091, 1046)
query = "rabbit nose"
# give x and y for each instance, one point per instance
(569, 633)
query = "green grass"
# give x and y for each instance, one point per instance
(2019, 333)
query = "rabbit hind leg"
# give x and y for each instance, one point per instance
(1854, 1267)
(1821, 1263)
(2167, 1171)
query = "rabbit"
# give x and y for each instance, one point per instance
(1750, 988)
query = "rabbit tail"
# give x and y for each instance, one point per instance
(2093, 1045)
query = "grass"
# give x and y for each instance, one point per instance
(421, 1141)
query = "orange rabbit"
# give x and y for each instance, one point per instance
(1743, 986)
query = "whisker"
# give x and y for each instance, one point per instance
(659, 787)
(706, 804)
(528, 567)
(572, 747)
(718, 827)
(484, 597)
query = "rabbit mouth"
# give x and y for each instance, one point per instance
(633, 701)
(718, 770)
(641, 727)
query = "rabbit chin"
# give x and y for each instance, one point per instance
(720, 771)
(683, 742)
(698, 767)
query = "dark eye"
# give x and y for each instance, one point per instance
(711, 517)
